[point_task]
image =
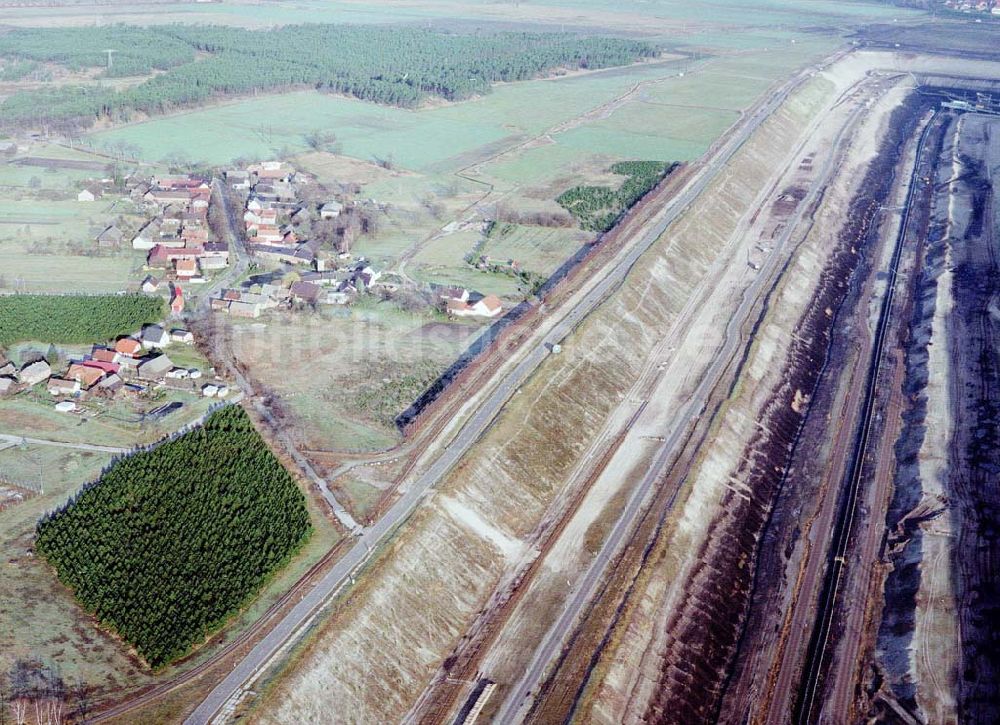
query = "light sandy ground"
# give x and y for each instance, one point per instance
(518, 470)
(935, 639)
(721, 461)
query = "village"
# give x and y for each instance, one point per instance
(292, 252)
(298, 237)
(290, 225)
(135, 366)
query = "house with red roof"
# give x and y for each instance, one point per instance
(108, 367)
(129, 347)
(177, 302)
(103, 354)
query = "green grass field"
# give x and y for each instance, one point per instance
(537, 249)
(48, 244)
(317, 364)
(445, 138)
(651, 16)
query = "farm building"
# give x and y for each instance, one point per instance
(35, 373)
(150, 285)
(331, 210)
(88, 195)
(66, 406)
(86, 375)
(107, 367)
(187, 268)
(244, 309)
(154, 336)
(454, 293)
(111, 237)
(102, 354)
(155, 368)
(62, 386)
(305, 292)
(177, 299)
(489, 306)
(179, 335)
(111, 383)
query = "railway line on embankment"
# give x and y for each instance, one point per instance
(296, 608)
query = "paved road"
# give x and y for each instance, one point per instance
(18, 440)
(412, 494)
(342, 514)
(237, 267)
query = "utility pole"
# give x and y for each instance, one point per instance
(110, 52)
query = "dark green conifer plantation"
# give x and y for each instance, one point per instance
(169, 543)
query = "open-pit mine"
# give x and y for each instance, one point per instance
(742, 467)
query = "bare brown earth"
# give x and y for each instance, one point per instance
(935, 660)
(537, 484)
(676, 673)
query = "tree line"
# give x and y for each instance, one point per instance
(394, 66)
(74, 319)
(598, 208)
(171, 542)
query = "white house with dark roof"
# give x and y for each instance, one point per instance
(154, 336)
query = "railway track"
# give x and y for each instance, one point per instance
(836, 557)
(241, 640)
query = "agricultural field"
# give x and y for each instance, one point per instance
(668, 18)
(522, 145)
(47, 237)
(322, 367)
(537, 249)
